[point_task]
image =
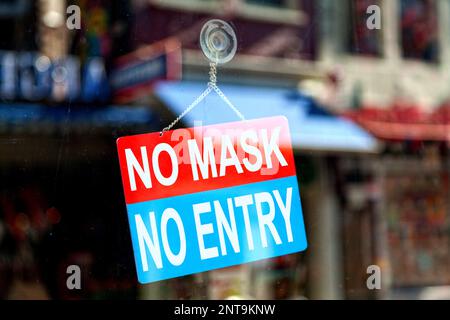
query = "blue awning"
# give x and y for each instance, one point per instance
(312, 128)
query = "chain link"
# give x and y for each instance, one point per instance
(212, 85)
(212, 73)
(227, 101)
(188, 109)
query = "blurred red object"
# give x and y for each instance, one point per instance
(404, 122)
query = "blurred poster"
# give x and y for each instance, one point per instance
(418, 23)
(418, 220)
(362, 40)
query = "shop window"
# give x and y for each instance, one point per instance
(418, 28)
(418, 220)
(362, 40)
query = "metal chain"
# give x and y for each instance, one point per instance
(227, 101)
(188, 109)
(212, 73)
(212, 85)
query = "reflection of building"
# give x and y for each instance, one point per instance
(359, 209)
(411, 56)
(265, 32)
(397, 92)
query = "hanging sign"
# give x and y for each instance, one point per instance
(211, 197)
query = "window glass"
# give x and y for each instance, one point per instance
(419, 29)
(368, 129)
(416, 212)
(362, 40)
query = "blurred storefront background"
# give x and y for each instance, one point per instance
(369, 116)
